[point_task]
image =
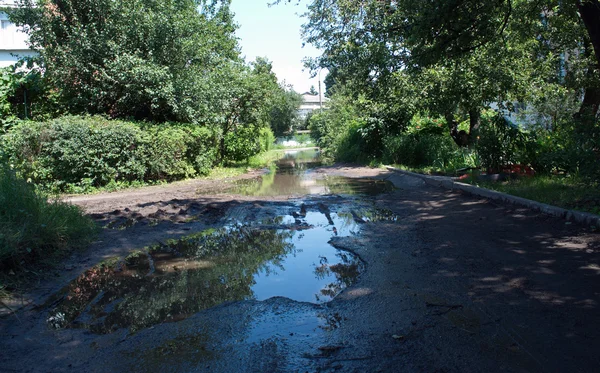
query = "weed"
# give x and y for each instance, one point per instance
(34, 230)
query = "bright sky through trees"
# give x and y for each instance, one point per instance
(274, 32)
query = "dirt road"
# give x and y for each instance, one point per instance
(450, 283)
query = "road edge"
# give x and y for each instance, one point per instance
(586, 219)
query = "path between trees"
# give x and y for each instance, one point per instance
(454, 284)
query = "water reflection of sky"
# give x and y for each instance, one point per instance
(301, 276)
(289, 257)
(292, 177)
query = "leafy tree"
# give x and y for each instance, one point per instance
(462, 54)
(24, 94)
(284, 113)
(246, 99)
(133, 58)
(313, 91)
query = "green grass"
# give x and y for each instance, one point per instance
(571, 193)
(566, 192)
(429, 170)
(33, 230)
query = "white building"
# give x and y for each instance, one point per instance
(13, 41)
(311, 103)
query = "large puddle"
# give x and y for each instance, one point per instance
(288, 256)
(292, 177)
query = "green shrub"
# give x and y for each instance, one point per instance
(33, 229)
(501, 143)
(247, 141)
(572, 147)
(76, 154)
(266, 139)
(94, 149)
(201, 148)
(166, 154)
(427, 149)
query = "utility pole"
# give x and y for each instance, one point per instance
(320, 95)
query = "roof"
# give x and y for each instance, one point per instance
(8, 3)
(309, 98)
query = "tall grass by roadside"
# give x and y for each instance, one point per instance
(34, 230)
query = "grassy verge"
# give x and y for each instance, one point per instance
(566, 192)
(35, 232)
(430, 170)
(571, 193)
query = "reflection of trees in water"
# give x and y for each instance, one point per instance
(188, 275)
(346, 271)
(345, 185)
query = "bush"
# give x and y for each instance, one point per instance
(422, 149)
(426, 144)
(501, 143)
(337, 131)
(166, 154)
(78, 153)
(33, 229)
(266, 139)
(247, 141)
(201, 148)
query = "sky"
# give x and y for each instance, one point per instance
(274, 33)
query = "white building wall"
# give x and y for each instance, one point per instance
(13, 41)
(311, 103)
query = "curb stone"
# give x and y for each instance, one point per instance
(583, 218)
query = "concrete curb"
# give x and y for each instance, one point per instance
(583, 218)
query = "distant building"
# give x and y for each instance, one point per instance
(13, 41)
(311, 103)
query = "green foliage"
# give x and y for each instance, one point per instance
(568, 192)
(78, 153)
(569, 148)
(33, 229)
(241, 144)
(397, 59)
(166, 154)
(266, 139)
(500, 143)
(284, 113)
(109, 57)
(24, 94)
(336, 126)
(7, 91)
(425, 144)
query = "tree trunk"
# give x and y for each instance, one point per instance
(591, 103)
(222, 149)
(453, 126)
(474, 123)
(589, 10)
(591, 96)
(462, 138)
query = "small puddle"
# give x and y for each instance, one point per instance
(288, 256)
(292, 176)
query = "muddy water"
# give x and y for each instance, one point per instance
(292, 176)
(286, 255)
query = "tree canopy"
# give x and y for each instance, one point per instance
(458, 55)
